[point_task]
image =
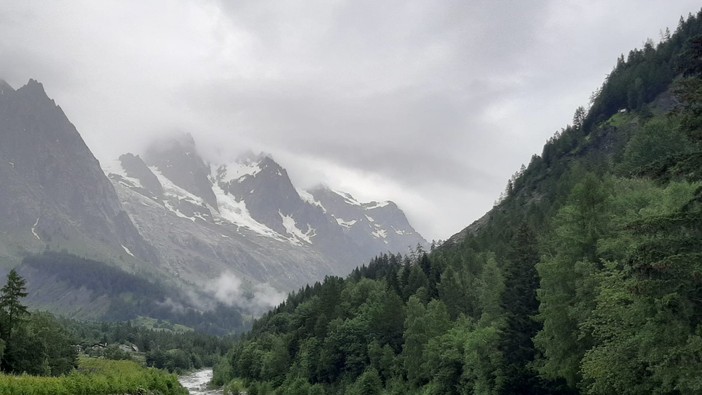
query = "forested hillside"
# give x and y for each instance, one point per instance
(584, 278)
(108, 293)
(40, 354)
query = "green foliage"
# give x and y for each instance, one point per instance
(520, 306)
(585, 277)
(11, 308)
(657, 140)
(31, 343)
(567, 288)
(96, 377)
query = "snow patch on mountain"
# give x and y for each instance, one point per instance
(235, 212)
(309, 198)
(34, 229)
(291, 228)
(347, 197)
(127, 250)
(345, 223)
(374, 205)
(172, 190)
(379, 233)
(237, 171)
(175, 211)
(115, 167)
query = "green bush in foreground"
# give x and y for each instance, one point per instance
(96, 377)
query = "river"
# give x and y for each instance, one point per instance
(196, 382)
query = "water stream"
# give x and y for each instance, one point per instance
(196, 382)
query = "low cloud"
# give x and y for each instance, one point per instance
(232, 291)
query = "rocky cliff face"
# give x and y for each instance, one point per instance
(375, 226)
(54, 194)
(246, 217)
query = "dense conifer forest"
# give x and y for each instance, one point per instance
(584, 278)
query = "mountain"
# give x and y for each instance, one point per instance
(181, 237)
(246, 218)
(375, 226)
(54, 195)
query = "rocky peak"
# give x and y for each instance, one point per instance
(134, 167)
(178, 160)
(264, 186)
(379, 226)
(53, 188)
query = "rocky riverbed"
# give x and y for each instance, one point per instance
(196, 382)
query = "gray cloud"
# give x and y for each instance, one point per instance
(431, 104)
(253, 298)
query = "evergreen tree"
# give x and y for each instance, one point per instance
(567, 286)
(521, 306)
(11, 309)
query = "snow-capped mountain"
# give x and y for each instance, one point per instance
(375, 226)
(247, 217)
(236, 233)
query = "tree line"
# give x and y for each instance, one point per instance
(585, 278)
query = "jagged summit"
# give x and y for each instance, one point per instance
(34, 84)
(35, 90)
(54, 194)
(253, 198)
(169, 214)
(177, 160)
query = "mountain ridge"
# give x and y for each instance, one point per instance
(254, 199)
(204, 232)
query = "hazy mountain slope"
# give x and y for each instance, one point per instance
(233, 234)
(90, 290)
(258, 227)
(53, 193)
(375, 226)
(196, 251)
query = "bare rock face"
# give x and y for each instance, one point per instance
(375, 226)
(54, 192)
(247, 217)
(178, 161)
(237, 234)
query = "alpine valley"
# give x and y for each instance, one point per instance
(165, 234)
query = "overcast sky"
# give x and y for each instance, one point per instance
(431, 104)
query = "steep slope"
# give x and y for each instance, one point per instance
(257, 227)
(54, 193)
(375, 226)
(271, 199)
(168, 216)
(197, 245)
(264, 187)
(177, 160)
(584, 278)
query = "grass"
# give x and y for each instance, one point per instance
(96, 377)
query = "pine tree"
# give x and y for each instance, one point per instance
(11, 309)
(521, 306)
